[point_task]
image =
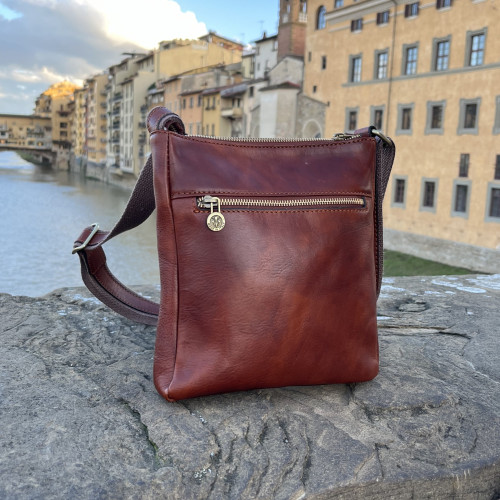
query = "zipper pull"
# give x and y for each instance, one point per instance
(345, 137)
(215, 220)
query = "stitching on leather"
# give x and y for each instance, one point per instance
(261, 195)
(124, 298)
(285, 211)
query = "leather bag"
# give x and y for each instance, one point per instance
(270, 258)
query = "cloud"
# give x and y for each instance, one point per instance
(53, 40)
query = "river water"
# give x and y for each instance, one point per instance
(42, 213)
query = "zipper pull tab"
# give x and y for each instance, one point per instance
(215, 220)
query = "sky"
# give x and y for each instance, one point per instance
(46, 41)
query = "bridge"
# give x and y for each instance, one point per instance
(31, 134)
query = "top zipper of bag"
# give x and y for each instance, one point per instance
(335, 137)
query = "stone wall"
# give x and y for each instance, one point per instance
(80, 417)
(472, 257)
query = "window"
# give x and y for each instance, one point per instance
(442, 55)
(493, 203)
(399, 191)
(405, 119)
(213, 129)
(469, 116)
(338, 4)
(497, 168)
(377, 117)
(250, 91)
(463, 168)
(496, 124)
(411, 9)
(315, 89)
(309, 56)
(381, 65)
(383, 17)
(351, 117)
(475, 48)
(443, 4)
(410, 59)
(323, 62)
(460, 203)
(435, 117)
(357, 24)
(429, 195)
(200, 100)
(355, 72)
(320, 18)
(191, 102)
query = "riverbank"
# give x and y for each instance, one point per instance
(113, 176)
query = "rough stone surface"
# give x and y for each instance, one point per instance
(80, 417)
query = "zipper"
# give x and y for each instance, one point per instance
(216, 220)
(335, 137)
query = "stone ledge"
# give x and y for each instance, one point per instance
(80, 417)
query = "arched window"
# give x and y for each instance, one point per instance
(320, 18)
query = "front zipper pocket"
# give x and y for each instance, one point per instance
(216, 220)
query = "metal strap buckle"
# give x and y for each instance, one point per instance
(95, 228)
(382, 136)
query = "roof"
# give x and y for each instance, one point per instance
(284, 85)
(238, 89)
(265, 38)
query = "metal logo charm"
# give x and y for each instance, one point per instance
(216, 221)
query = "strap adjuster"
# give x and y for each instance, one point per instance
(95, 228)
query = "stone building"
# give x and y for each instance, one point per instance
(427, 74)
(56, 103)
(79, 127)
(281, 108)
(96, 120)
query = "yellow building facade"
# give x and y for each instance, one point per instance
(79, 123)
(96, 118)
(427, 74)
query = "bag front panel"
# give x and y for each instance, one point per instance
(280, 295)
(210, 166)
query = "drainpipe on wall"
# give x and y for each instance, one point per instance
(389, 92)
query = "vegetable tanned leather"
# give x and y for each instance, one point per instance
(281, 296)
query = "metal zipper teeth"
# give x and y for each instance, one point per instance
(336, 137)
(301, 202)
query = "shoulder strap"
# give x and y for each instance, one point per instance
(95, 272)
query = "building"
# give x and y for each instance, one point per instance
(427, 74)
(79, 126)
(57, 103)
(279, 108)
(265, 56)
(96, 120)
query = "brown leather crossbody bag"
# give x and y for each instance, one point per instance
(270, 258)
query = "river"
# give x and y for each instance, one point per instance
(43, 211)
